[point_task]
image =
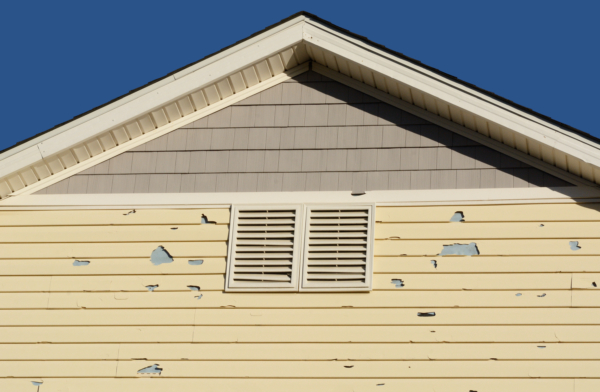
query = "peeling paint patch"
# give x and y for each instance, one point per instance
(574, 245)
(160, 256)
(154, 369)
(78, 263)
(458, 217)
(460, 249)
(130, 212)
(195, 262)
(398, 282)
(426, 314)
(151, 287)
(194, 288)
(434, 263)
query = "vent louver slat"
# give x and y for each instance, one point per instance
(263, 251)
(337, 249)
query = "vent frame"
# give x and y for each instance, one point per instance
(241, 212)
(349, 286)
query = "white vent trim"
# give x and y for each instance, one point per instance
(264, 248)
(279, 248)
(338, 248)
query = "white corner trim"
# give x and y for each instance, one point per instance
(380, 198)
(461, 130)
(253, 43)
(161, 131)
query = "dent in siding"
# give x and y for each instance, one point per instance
(78, 263)
(154, 369)
(574, 245)
(458, 217)
(460, 249)
(160, 256)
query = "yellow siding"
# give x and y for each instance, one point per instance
(521, 316)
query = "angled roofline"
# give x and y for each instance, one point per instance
(339, 29)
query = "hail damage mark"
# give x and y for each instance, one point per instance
(398, 282)
(205, 220)
(160, 256)
(154, 369)
(460, 249)
(458, 217)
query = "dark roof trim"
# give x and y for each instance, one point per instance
(356, 36)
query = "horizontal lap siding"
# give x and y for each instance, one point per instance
(524, 312)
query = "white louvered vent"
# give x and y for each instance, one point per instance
(264, 249)
(338, 249)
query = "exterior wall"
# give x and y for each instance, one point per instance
(307, 134)
(522, 316)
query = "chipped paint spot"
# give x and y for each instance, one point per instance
(460, 249)
(195, 262)
(194, 288)
(434, 263)
(78, 263)
(160, 256)
(458, 217)
(151, 287)
(574, 245)
(154, 369)
(426, 314)
(398, 282)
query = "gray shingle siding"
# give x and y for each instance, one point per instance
(307, 134)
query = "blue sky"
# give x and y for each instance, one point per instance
(62, 58)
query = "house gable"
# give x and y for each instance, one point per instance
(308, 133)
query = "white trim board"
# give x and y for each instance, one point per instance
(392, 198)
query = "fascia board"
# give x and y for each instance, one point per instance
(163, 91)
(406, 197)
(451, 92)
(176, 89)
